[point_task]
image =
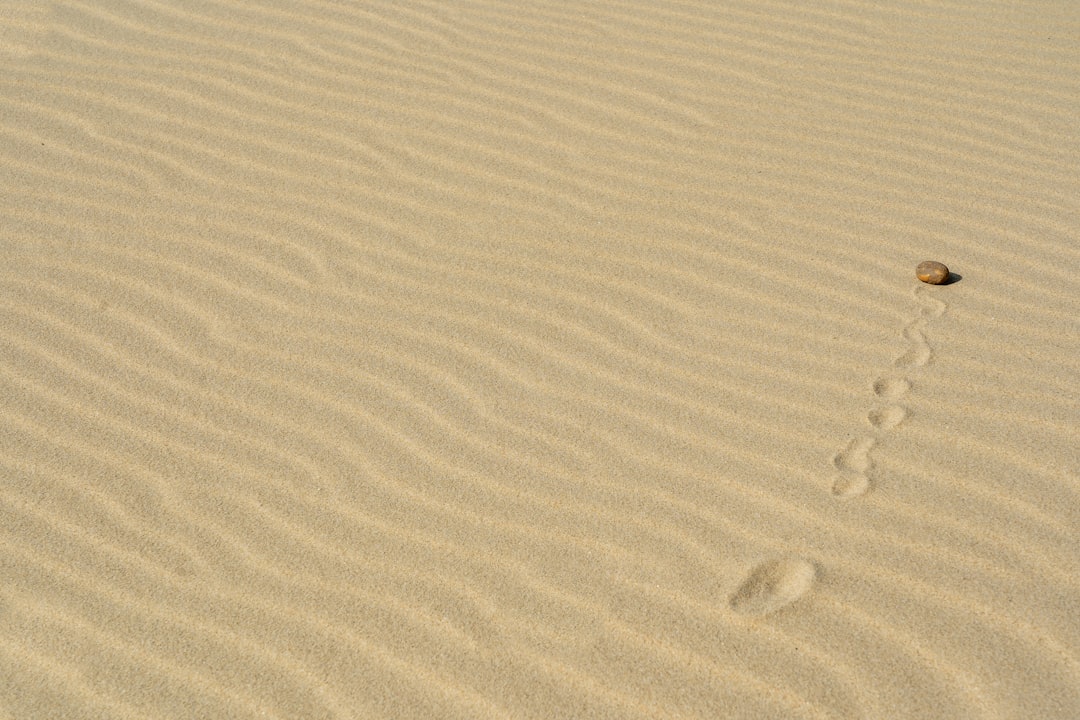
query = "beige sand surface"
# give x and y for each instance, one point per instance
(491, 359)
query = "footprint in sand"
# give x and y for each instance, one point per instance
(918, 354)
(772, 585)
(891, 388)
(887, 418)
(853, 463)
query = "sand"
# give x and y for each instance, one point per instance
(542, 359)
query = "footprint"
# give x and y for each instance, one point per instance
(918, 354)
(850, 485)
(772, 585)
(853, 463)
(891, 388)
(856, 456)
(931, 306)
(887, 418)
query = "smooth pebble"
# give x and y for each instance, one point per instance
(932, 272)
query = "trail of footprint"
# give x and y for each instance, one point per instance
(777, 583)
(853, 463)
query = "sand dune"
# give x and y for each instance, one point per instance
(539, 360)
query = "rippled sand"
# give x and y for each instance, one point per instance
(539, 360)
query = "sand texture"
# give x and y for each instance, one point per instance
(552, 360)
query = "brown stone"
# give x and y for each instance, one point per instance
(930, 271)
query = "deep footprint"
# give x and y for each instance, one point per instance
(772, 585)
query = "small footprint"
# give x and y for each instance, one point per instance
(850, 485)
(856, 456)
(918, 354)
(853, 463)
(772, 585)
(887, 418)
(891, 388)
(931, 306)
